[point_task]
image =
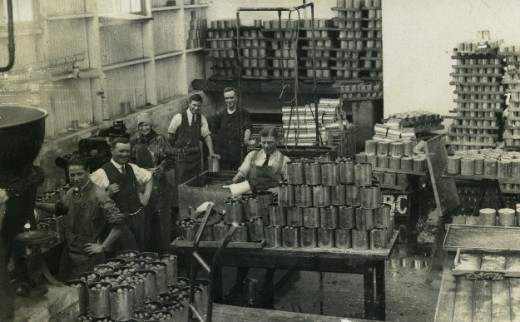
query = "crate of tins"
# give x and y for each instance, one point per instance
(360, 39)
(504, 217)
(329, 205)
(134, 287)
(480, 96)
(316, 47)
(361, 91)
(282, 42)
(488, 164)
(222, 47)
(253, 50)
(393, 161)
(512, 82)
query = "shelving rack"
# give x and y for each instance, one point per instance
(512, 82)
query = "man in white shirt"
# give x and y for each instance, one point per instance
(184, 133)
(123, 181)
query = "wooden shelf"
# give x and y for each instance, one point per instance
(127, 63)
(194, 50)
(69, 17)
(169, 55)
(478, 177)
(167, 8)
(195, 6)
(410, 172)
(126, 17)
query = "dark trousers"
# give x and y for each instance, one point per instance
(187, 166)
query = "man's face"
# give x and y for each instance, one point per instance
(144, 128)
(78, 175)
(121, 153)
(195, 107)
(231, 99)
(268, 144)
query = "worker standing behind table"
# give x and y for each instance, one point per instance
(232, 127)
(184, 133)
(264, 168)
(152, 151)
(124, 181)
(89, 211)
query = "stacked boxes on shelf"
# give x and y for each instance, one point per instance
(223, 49)
(253, 47)
(299, 122)
(480, 95)
(323, 37)
(512, 81)
(282, 41)
(329, 204)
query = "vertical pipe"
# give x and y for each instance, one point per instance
(315, 81)
(239, 94)
(10, 35)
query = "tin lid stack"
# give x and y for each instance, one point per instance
(221, 43)
(512, 82)
(253, 47)
(477, 77)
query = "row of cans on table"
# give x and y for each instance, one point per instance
(302, 237)
(388, 148)
(314, 172)
(470, 165)
(113, 290)
(505, 217)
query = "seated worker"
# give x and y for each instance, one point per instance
(266, 167)
(123, 181)
(263, 169)
(89, 211)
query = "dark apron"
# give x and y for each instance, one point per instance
(264, 177)
(187, 164)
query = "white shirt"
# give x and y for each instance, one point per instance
(177, 121)
(99, 177)
(274, 160)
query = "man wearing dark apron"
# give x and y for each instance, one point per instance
(263, 169)
(184, 133)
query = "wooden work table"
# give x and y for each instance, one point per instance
(228, 313)
(369, 263)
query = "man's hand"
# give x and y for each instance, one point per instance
(238, 178)
(92, 249)
(214, 155)
(113, 189)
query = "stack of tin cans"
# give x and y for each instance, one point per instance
(253, 49)
(512, 82)
(329, 204)
(504, 217)
(477, 75)
(221, 42)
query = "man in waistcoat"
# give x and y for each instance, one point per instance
(185, 131)
(124, 182)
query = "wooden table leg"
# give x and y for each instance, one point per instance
(219, 292)
(380, 304)
(369, 290)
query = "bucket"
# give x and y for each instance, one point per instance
(115, 262)
(148, 256)
(213, 164)
(126, 270)
(161, 280)
(138, 284)
(128, 254)
(148, 276)
(89, 277)
(122, 302)
(163, 316)
(113, 279)
(220, 231)
(171, 268)
(99, 299)
(103, 269)
(81, 288)
(138, 264)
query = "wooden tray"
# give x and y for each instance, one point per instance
(181, 243)
(474, 262)
(484, 238)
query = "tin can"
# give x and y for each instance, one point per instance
(286, 195)
(490, 167)
(326, 238)
(312, 173)
(360, 239)
(255, 228)
(295, 172)
(321, 196)
(311, 217)
(383, 148)
(294, 216)
(396, 149)
(273, 236)
(339, 195)
(346, 217)
(364, 219)
(506, 217)
(308, 237)
(303, 196)
(370, 147)
(382, 161)
(277, 215)
(352, 195)
(378, 239)
(234, 211)
(290, 237)
(122, 302)
(370, 197)
(81, 289)
(343, 238)
(329, 174)
(394, 163)
(240, 234)
(363, 174)
(99, 299)
(504, 169)
(406, 164)
(346, 172)
(382, 216)
(329, 217)
(467, 166)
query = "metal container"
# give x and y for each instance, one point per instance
(406, 164)
(382, 148)
(240, 234)
(273, 236)
(346, 217)
(382, 161)
(234, 212)
(255, 229)
(490, 167)
(419, 164)
(303, 196)
(277, 215)
(504, 169)
(329, 217)
(161, 276)
(312, 171)
(360, 239)
(329, 174)
(290, 237)
(220, 231)
(263, 200)
(346, 172)
(365, 218)
(308, 237)
(295, 172)
(80, 287)
(150, 289)
(89, 277)
(138, 284)
(343, 238)
(394, 163)
(321, 196)
(115, 262)
(103, 269)
(99, 299)
(370, 147)
(213, 164)
(396, 149)
(487, 217)
(372, 159)
(363, 174)
(122, 302)
(128, 254)
(467, 166)
(378, 239)
(370, 197)
(148, 257)
(515, 168)
(382, 216)
(506, 217)
(286, 195)
(408, 146)
(294, 216)
(361, 157)
(338, 195)
(325, 238)
(352, 197)
(479, 166)
(389, 178)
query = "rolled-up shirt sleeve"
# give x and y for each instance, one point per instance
(112, 214)
(246, 165)
(204, 129)
(142, 175)
(99, 177)
(175, 123)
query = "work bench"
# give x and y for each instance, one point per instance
(369, 263)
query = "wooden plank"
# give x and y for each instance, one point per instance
(482, 303)
(513, 266)
(514, 291)
(486, 238)
(215, 244)
(501, 300)
(467, 263)
(463, 310)
(446, 299)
